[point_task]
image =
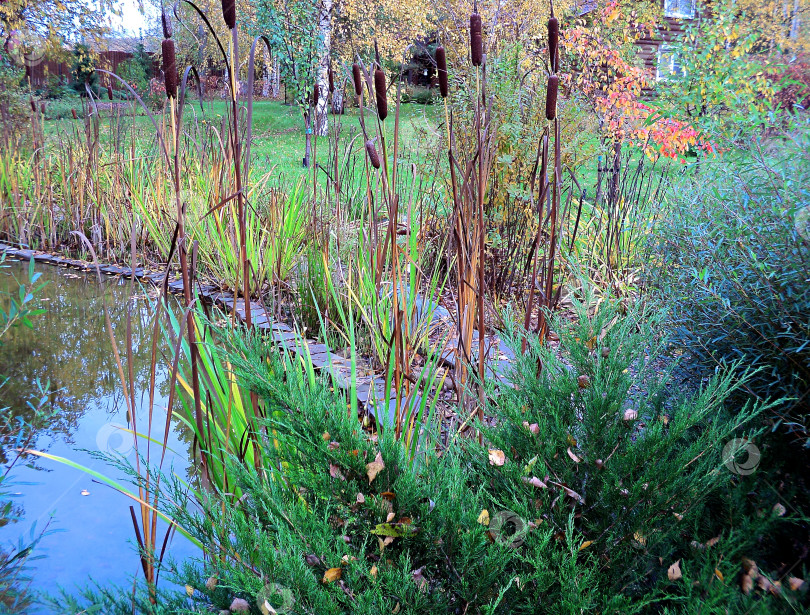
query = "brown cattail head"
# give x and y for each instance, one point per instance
(33, 105)
(166, 21)
(109, 92)
(169, 68)
(75, 115)
(553, 43)
(316, 92)
(476, 40)
(379, 90)
(331, 76)
(551, 97)
(373, 157)
(42, 106)
(229, 13)
(441, 65)
(358, 79)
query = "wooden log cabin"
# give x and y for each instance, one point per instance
(657, 52)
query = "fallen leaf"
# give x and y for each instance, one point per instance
(674, 571)
(419, 579)
(583, 382)
(326, 436)
(335, 472)
(779, 510)
(390, 517)
(211, 583)
(189, 591)
(361, 499)
(573, 456)
(630, 415)
(373, 571)
(718, 574)
(712, 541)
(535, 482)
(571, 440)
(483, 518)
(240, 605)
(569, 492)
(585, 544)
(375, 467)
(795, 583)
(678, 516)
(496, 457)
(267, 609)
(332, 575)
(746, 584)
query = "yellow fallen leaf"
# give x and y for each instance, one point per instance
(483, 518)
(585, 544)
(496, 457)
(332, 575)
(674, 571)
(375, 467)
(189, 590)
(718, 574)
(373, 571)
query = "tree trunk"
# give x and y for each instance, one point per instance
(325, 26)
(337, 101)
(268, 74)
(308, 131)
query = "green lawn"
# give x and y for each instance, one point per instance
(278, 129)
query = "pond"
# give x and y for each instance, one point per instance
(90, 535)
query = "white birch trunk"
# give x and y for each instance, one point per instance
(325, 26)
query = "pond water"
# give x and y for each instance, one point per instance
(90, 531)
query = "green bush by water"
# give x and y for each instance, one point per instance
(733, 263)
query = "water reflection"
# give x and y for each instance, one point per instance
(70, 349)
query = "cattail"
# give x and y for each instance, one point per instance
(441, 63)
(372, 154)
(42, 106)
(229, 13)
(316, 92)
(553, 42)
(551, 97)
(169, 68)
(476, 41)
(167, 24)
(331, 76)
(379, 90)
(110, 92)
(358, 80)
(75, 116)
(33, 105)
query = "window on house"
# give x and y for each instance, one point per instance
(679, 9)
(669, 64)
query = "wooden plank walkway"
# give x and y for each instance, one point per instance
(370, 389)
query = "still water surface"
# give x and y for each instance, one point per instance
(90, 534)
